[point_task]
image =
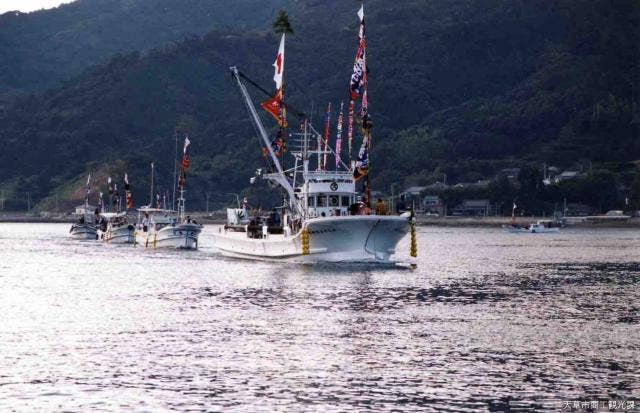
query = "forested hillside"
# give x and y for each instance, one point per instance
(463, 88)
(40, 49)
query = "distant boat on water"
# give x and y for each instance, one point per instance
(116, 228)
(540, 227)
(167, 228)
(85, 227)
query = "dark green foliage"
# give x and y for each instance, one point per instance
(281, 24)
(463, 88)
(40, 49)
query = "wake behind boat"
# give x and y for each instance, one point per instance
(323, 217)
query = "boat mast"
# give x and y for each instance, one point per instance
(86, 197)
(181, 202)
(151, 193)
(279, 176)
(175, 169)
(366, 120)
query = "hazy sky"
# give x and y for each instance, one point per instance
(29, 5)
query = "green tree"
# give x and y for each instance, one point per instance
(530, 178)
(281, 24)
(634, 195)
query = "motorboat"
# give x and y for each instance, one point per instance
(162, 228)
(323, 216)
(116, 228)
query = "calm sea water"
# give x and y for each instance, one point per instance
(489, 321)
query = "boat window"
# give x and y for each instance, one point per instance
(322, 201)
(311, 202)
(333, 200)
(346, 201)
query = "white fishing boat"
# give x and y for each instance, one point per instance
(161, 228)
(168, 228)
(85, 227)
(543, 227)
(323, 217)
(540, 227)
(117, 228)
(83, 230)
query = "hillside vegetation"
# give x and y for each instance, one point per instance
(463, 88)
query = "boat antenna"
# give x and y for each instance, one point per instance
(175, 166)
(182, 181)
(151, 192)
(279, 175)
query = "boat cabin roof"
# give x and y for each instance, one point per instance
(156, 211)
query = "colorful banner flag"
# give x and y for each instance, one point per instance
(182, 181)
(276, 109)
(362, 164)
(275, 106)
(325, 137)
(350, 129)
(359, 75)
(339, 136)
(127, 192)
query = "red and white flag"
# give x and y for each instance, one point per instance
(279, 65)
(274, 106)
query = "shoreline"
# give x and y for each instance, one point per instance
(219, 218)
(499, 221)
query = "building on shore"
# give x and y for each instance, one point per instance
(474, 207)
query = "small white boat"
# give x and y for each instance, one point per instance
(83, 230)
(159, 228)
(168, 228)
(540, 227)
(117, 228)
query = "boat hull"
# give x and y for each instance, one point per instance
(120, 235)
(183, 236)
(360, 238)
(83, 231)
(531, 230)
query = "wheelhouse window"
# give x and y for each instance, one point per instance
(346, 201)
(322, 201)
(311, 202)
(333, 200)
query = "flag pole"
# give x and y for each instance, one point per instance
(151, 193)
(175, 170)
